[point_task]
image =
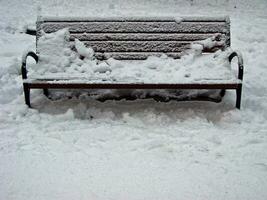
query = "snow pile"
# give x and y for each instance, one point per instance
(83, 51)
(55, 50)
(56, 55)
(59, 61)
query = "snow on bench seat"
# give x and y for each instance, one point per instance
(58, 62)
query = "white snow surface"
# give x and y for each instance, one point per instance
(82, 149)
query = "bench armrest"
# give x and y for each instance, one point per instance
(239, 62)
(24, 60)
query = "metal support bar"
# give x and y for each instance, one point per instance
(238, 97)
(240, 76)
(239, 62)
(26, 87)
(24, 61)
(27, 94)
(45, 91)
(222, 93)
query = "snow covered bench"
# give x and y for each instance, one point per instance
(114, 39)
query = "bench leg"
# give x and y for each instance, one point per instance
(222, 93)
(46, 93)
(27, 94)
(238, 96)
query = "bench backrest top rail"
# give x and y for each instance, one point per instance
(135, 18)
(138, 37)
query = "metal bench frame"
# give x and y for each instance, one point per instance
(48, 85)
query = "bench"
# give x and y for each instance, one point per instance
(136, 39)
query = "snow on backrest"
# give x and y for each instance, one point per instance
(137, 37)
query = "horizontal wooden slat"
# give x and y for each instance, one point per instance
(65, 85)
(135, 19)
(140, 46)
(137, 55)
(139, 36)
(137, 46)
(136, 27)
(134, 55)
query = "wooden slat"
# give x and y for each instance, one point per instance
(137, 46)
(136, 19)
(136, 27)
(138, 55)
(139, 36)
(133, 55)
(130, 86)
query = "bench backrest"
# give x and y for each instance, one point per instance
(138, 38)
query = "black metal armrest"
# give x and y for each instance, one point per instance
(24, 60)
(239, 62)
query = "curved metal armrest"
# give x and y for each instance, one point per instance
(24, 59)
(240, 63)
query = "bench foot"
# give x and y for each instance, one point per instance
(238, 96)
(27, 94)
(46, 93)
(222, 93)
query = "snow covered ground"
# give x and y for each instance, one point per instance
(83, 149)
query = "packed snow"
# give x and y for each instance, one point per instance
(79, 148)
